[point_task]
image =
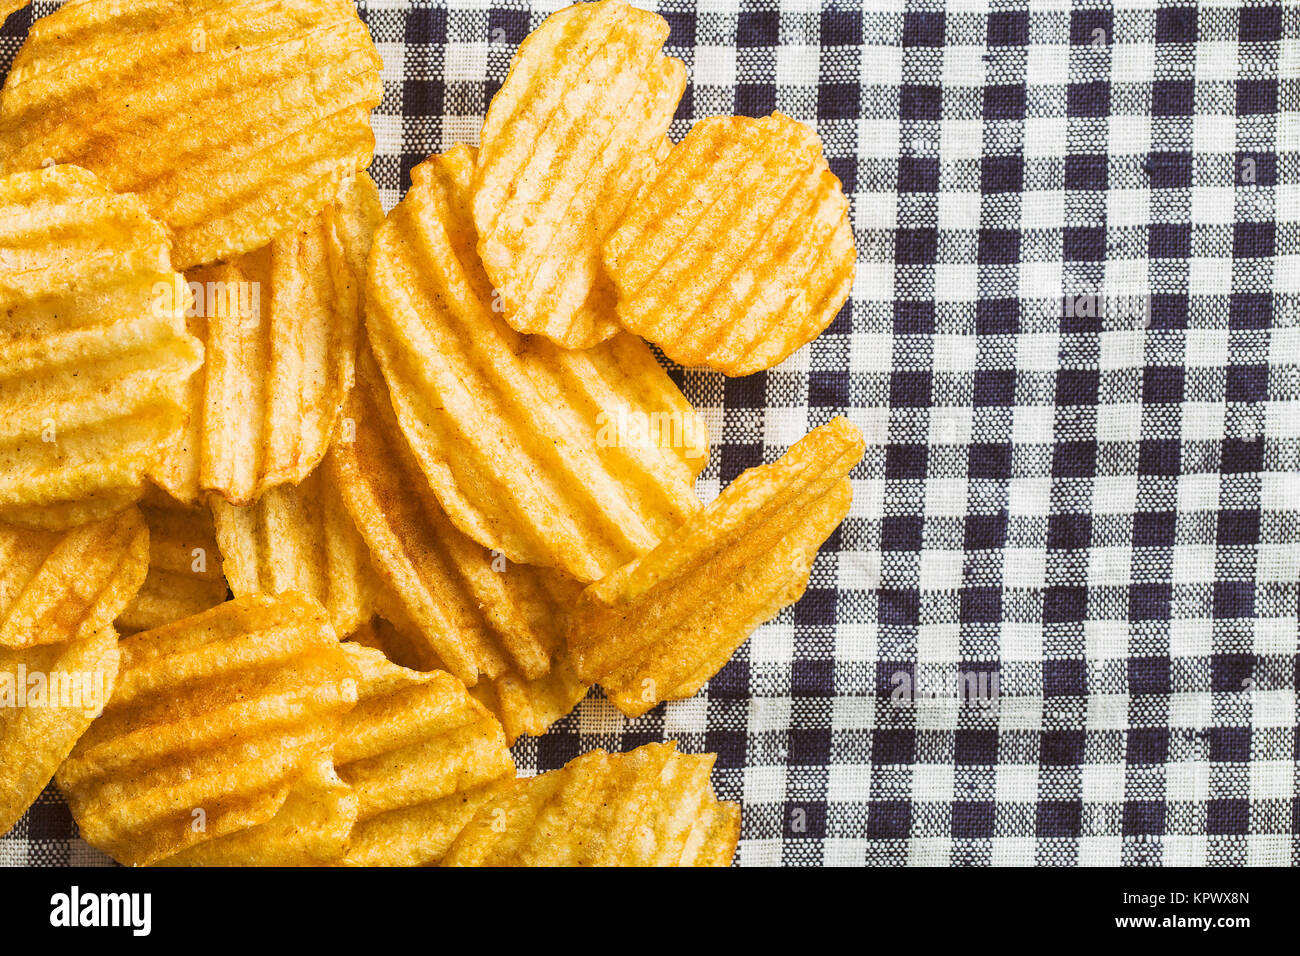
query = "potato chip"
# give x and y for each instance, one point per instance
(652, 806)
(661, 626)
(176, 470)
(48, 696)
(527, 707)
(64, 515)
(184, 566)
(299, 538)
(568, 140)
(464, 609)
(741, 251)
(576, 460)
(58, 586)
(281, 326)
(93, 361)
(376, 633)
(312, 827)
(474, 619)
(213, 720)
(421, 756)
(233, 122)
(713, 840)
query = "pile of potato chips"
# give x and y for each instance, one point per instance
(308, 513)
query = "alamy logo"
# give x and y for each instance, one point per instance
(968, 688)
(71, 690)
(1120, 307)
(629, 428)
(209, 300)
(131, 910)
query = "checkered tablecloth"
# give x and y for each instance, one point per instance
(1073, 347)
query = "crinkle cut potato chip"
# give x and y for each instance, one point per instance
(579, 460)
(661, 626)
(58, 586)
(49, 694)
(311, 828)
(652, 806)
(299, 538)
(281, 326)
(377, 634)
(526, 707)
(741, 251)
(93, 361)
(184, 566)
(175, 471)
(232, 121)
(465, 610)
(568, 140)
(213, 720)
(421, 756)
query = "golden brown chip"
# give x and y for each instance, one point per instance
(527, 707)
(741, 251)
(660, 627)
(175, 471)
(568, 140)
(65, 515)
(281, 326)
(421, 756)
(312, 827)
(376, 633)
(212, 721)
(233, 122)
(652, 806)
(93, 361)
(576, 460)
(299, 538)
(65, 585)
(184, 566)
(713, 841)
(465, 610)
(48, 697)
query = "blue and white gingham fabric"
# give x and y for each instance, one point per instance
(1074, 350)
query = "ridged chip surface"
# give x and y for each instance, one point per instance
(233, 121)
(421, 756)
(93, 364)
(36, 737)
(660, 627)
(311, 828)
(568, 140)
(184, 566)
(281, 326)
(212, 721)
(652, 806)
(528, 706)
(299, 538)
(58, 586)
(470, 612)
(741, 251)
(575, 460)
